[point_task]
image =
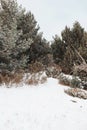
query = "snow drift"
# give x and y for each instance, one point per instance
(42, 107)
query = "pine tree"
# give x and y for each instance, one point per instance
(39, 50)
(18, 37)
(58, 49)
(75, 52)
(10, 46)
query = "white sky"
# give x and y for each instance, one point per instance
(53, 15)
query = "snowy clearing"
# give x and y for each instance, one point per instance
(43, 107)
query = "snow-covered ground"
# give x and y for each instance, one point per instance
(43, 107)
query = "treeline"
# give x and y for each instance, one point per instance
(22, 45)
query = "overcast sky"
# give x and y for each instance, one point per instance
(53, 15)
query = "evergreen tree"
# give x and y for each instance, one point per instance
(20, 42)
(28, 25)
(58, 49)
(12, 50)
(75, 52)
(39, 50)
(8, 31)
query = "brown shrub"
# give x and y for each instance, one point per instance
(11, 78)
(17, 78)
(1, 79)
(4, 79)
(36, 67)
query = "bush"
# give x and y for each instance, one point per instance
(36, 67)
(36, 78)
(76, 92)
(17, 78)
(11, 78)
(21, 77)
(65, 79)
(53, 70)
(71, 81)
(75, 82)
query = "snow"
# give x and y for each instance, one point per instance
(42, 107)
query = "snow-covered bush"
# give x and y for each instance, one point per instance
(75, 82)
(71, 81)
(65, 79)
(76, 92)
(35, 78)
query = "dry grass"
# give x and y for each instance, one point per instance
(20, 77)
(17, 78)
(12, 78)
(5, 79)
(36, 78)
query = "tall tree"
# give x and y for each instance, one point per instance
(10, 46)
(75, 42)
